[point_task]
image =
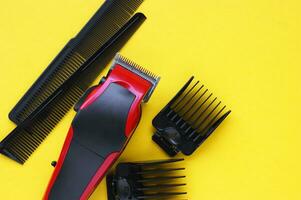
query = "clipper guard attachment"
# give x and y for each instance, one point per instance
(188, 119)
(147, 180)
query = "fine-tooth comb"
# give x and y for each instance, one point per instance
(188, 119)
(28, 135)
(147, 180)
(112, 15)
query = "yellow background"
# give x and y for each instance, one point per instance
(246, 51)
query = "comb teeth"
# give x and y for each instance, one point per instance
(140, 71)
(188, 119)
(57, 78)
(106, 22)
(149, 180)
(25, 138)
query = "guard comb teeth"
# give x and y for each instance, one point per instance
(147, 180)
(188, 119)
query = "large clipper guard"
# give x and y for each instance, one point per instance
(106, 117)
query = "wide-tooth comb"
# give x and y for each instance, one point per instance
(188, 119)
(147, 180)
(137, 69)
(28, 135)
(106, 22)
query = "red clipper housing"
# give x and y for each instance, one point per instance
(107, 116)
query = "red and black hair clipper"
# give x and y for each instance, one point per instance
(107, 115)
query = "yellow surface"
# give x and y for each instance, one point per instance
(246, 52)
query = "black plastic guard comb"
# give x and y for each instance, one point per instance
(28, 135)
(188, 119)
(147, 180)
(106, 22)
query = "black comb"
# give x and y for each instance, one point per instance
(188, 119)
(112, 15)
(28, 135)
(146, 180)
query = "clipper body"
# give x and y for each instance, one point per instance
(106, 117)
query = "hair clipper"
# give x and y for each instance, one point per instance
(107, 115)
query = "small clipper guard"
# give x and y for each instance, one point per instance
(106, 117)
(188, 119)
(147, 180)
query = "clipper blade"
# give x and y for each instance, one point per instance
(147, 180)
(188, 119)
(140, 71)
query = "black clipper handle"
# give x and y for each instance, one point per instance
(94, 142)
